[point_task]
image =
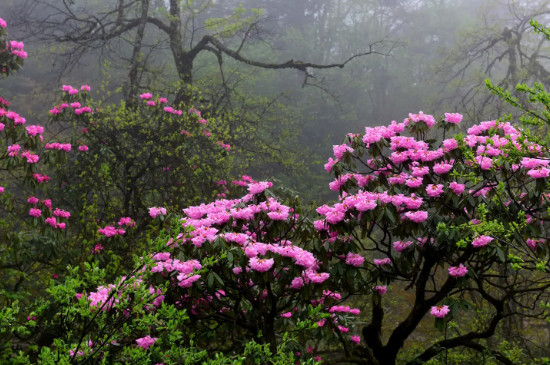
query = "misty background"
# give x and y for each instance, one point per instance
(403, 56)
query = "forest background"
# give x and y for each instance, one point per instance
(243, 65)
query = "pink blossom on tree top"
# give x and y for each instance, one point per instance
(420, 117)
(458, 271)
(259, 187)
(440, 311)
(354, 259)
(3, 23)
(450, 144)
(146, 96)
(260, 264)
(13, 150)
(316, 277)
(482, 241)
(61, 213)
(418, 216)
(533, 243)
(297, 283)
(539, 173)
(434, 190)
(400, 246)
(146, 342)
(33, 130)
(110, 231)
(31, 158)
(339, 150)
(531, 163)
(156, 211)
(453, 118)
(33, 200)
(457, 188)
(381, 262)
(35, 212)
(443, 167)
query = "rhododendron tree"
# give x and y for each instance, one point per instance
(57, 209)
(137, 157)
(464, 233)
(455, 222)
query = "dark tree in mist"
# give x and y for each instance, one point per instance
(184, 28)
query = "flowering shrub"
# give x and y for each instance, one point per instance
(460, 219)
(454, 219)
(12, 54)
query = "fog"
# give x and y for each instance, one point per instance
(403, 56)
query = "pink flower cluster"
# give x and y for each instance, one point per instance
(58, 146)
(146, 342)
(110, 231)
(458, 271)
(440, 311)
(156, 211)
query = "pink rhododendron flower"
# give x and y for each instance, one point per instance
(414, 182)
(381, 289)
(97, 249)
(35, 212)
(126, 221)
(156, 211)
(481, 241)
(420, 117)
(258, 187)
(187, 280)
(339, 150)
(539, 173)
(485, 163)
(13, 150)
(400, 246)
(380, 262)
(146, 96)
(61, 213)
(355, 339)
(1, 190)
(297, 283)
(261, 265)
(110, 231)
(31, 158)
(354, 259)
(457, 188)
(146, 342)
(443, 167)
(286, 315)
(41, 178)
(453, 118)
(33, 130)
(47, 203)
(440, 311)
(3, 23)
(418, 216)
(458, 271)
(317, 277)
(434, 190)
(450, 144)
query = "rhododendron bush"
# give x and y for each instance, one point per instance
(59, 190)
(450, 223)
(256, 268)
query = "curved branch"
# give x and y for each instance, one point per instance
(297, 65)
